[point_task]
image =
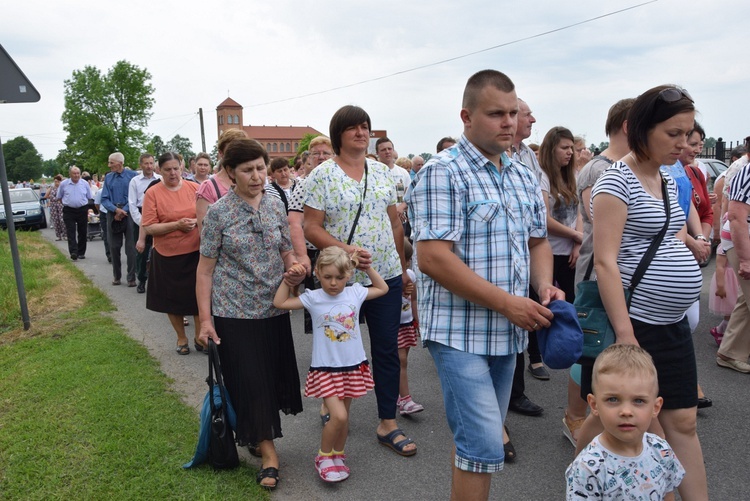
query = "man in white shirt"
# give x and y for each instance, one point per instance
(400, 176)
(136, 190)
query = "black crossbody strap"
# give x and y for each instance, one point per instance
(651, 252)
(359, 211)
(214, 371)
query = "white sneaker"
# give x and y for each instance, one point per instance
(737, 365)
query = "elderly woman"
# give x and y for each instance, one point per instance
(629, 210)
(56, 209)
(245, 248)
(351, 203)
(169, 217)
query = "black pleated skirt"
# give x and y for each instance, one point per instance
(260, 373)
(171, 283)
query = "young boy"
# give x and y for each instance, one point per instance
(624, 462)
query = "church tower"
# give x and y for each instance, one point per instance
(228, 116)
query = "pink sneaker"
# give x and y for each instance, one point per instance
(327, 469)
(718, 336)
(408, 406)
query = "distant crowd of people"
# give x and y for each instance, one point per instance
(466, 250)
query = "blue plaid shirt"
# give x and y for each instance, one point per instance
(489, 215)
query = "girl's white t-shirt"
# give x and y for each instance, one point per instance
(337, 340)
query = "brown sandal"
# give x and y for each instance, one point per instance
(570, 426)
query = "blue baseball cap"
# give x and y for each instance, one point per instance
(561, 343)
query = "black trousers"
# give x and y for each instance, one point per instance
(76, 224)
(141, 258)
(116, 242)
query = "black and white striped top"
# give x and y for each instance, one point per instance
(673, 279)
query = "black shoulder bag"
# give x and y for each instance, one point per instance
(222, 450)
(597, 330)
(359, 211)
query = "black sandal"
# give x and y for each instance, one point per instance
(508, 449)
(269, 472)
(254, 450)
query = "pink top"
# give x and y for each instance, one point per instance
(207, 190)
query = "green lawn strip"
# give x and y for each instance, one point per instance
(87, 414)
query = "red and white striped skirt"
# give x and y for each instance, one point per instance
(349, 384)
(407, 335)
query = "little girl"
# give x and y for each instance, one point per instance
(339, 370)
(407, 336)
(723, 293)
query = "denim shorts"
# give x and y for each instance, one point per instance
(476, 391)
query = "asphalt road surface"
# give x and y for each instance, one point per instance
(378, 473)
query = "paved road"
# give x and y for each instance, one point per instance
(377, 473)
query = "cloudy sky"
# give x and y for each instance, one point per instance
(265, 55)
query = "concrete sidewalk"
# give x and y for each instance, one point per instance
(377, 472)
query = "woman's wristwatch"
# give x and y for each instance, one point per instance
(700, 237)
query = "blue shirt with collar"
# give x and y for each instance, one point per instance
(115, 190)
(75, 195)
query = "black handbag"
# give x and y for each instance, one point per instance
(222, 449)
(597, 329)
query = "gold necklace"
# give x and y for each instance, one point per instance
(645, 181)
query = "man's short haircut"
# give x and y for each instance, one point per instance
(478, 81)
(697, 128)
(381, 141)
(617, 115)
(624, 359)
(345, 117)
(318, 140)
(117, 157)
(228, 136)
(279, 163)
(205, 155)
(649, 110)
(441, 144)
(243, 150)
(70, 169)
(143, 157)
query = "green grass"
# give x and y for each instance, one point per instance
(85, 412)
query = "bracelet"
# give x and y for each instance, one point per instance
(700, 237)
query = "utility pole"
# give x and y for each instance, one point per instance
(203, 133)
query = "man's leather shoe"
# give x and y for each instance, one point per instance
(131, 283)
(523, 405)
(74, 257)
(141, 288)
(81, 257)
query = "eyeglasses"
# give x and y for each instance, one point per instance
(674, 94)
(318, 154)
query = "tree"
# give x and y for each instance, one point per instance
(181, 145)
(710, 142)
(51, 167)
(304, 143)
(105, 113)
(157, 146)
(22, 160)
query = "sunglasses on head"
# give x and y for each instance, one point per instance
(674, 94)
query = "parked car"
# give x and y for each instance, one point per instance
(27, 209)
(715, 167)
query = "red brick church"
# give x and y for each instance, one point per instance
(280, 141)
